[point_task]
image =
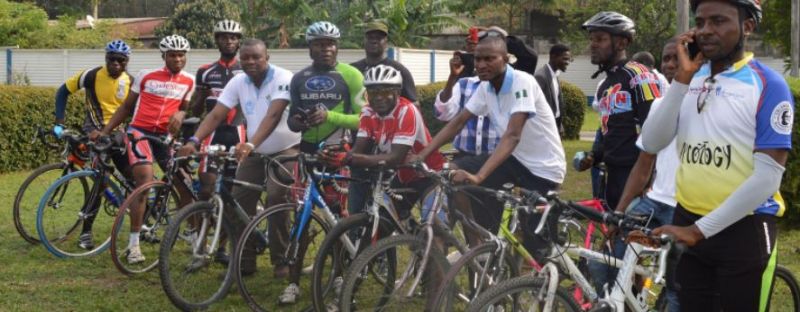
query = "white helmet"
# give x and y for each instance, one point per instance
(383, 75)
(228, 27)
(321, 30)
(173, 43)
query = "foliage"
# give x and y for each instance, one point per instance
(64, 35)
(17, 20)
(790, 186)
(777, 24)
(427, 97)
(410, 21)
(195, 20)
(24, 109)
(655, 22)
(574, 108)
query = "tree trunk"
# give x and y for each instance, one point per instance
(284, 35)
(96, 6)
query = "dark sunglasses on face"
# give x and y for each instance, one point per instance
(118, 59)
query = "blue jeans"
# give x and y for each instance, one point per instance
(660, 214)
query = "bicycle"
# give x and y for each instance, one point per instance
(161, 202)
(99, 186)
(412, 278)
(73, 156)
(187, 266)
(352, 235)
(542, 291)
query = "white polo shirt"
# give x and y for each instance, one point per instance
(255, 102)
(540, 148)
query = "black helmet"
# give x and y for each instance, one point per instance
(612, 22)
(753, 7)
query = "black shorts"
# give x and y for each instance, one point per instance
(735, 267)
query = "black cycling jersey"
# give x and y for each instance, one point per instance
(623, 101)
(409, 90)
(214, 77)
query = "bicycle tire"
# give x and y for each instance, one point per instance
(258, 288)
(790, 283)
(332, 249)
(445, 298)
(154, 224)
(391, 248)
(192, 281)
(22, 211)
(509, 290)
(60, 242)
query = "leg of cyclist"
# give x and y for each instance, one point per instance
(140, 157)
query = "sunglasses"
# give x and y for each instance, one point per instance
(702, 98)
(118, 59)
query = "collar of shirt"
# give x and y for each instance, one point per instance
(267, 77)
(555, 73)
(228, 64)
(508, 81)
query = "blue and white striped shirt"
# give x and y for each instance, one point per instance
(478, 136)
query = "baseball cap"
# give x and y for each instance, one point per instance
(376, 26)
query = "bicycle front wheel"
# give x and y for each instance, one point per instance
(159, 202)
(524, 293)
(30, 192)
(399, 260)
(68, 204)
(260, 255)
(192, 275)
(473, 273)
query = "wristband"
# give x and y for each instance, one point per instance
(252, 147)
(194, 140)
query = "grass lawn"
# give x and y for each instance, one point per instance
(33, 280)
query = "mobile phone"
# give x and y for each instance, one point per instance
(693, 48)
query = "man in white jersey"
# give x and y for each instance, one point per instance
(732, 119)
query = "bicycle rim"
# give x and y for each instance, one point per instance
(30, 193)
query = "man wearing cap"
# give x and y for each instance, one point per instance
(376, 41)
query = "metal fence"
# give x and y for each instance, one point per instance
(53, 67)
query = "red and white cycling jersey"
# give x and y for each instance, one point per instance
(161, 94)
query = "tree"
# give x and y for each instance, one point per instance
(18, 20)
(195, 20)
(64, 35)
(777, 24)
(411, 21)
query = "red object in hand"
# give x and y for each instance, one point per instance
(338, 159)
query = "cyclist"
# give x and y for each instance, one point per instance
(624, 98)
(326, 102)
(732, 117)
(106, 88)
(262, 95)
(516, 105)
(211, 79)
(157, 105)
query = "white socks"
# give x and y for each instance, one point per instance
(134, 240)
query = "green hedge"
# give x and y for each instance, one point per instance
(22, 111)
(574, 108)
(790, 186)
(427, 96)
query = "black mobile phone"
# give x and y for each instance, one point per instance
(693, 48)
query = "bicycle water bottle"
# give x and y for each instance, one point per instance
(112, 198)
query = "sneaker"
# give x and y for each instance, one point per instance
(85, 241)
(453, 257)
(135, 255)
(307, 270)
(221, 257)
(290, 294)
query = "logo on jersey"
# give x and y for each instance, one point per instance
(614, 101)
(782, 118)
(320, 83)
(166, 89)
(705, 154)
(121, 88)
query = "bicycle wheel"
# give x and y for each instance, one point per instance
(190, 275)
(160, 201)
(785, 295)
(333, 259)
(67, 204)
(400, 258)
(521, 294)
(473, 273)
(30, 192)
(254, 265)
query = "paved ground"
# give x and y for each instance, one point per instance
(587, 136)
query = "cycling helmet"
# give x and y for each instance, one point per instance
(383, 75)
(321, 30)
(228, 27)
(612, 22)
(118, 46)
(173, 43)
(753, 7)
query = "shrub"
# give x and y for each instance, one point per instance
(22, 110)
(574, 108)
(426, 95)
(790, 186)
